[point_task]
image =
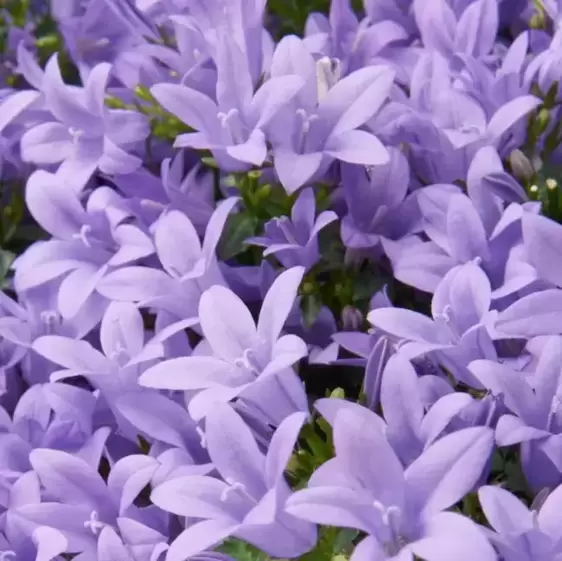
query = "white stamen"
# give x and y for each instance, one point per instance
(85, 231)
(248, 361)
(233, 487)
(94, 523)
(120, 355)
(51, 319)
(202, 437)
(391, 517)
(75, 133)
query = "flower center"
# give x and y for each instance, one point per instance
(7, 555)
(94, 523)
(304, 122)
(445, 320)
(51, 319)
(232, 123)
(391, 517)
(120, 355)
(249, 361)
(235, 487)
(75, 133)
(286, 227)
(84, 234)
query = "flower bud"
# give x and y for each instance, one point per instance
(352, 319)
(521, 166)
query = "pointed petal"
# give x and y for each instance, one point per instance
(357, 147)
(75, 355)
(192, 107)
(233, 450)
(450, 468)
(191, 373)
(226, 323)
(278, 303)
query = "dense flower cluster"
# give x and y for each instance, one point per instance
(271, 296)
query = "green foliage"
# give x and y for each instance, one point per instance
(290, 15)
(241, 551)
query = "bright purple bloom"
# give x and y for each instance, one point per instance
(232, 126)
(401, 511)
(294, 241)
(86, 135)
(324, 121)
(235, 353)
(247, 501)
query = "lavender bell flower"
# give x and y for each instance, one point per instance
(534, 420)
(237, 353)
(247, 501)
(377, 202)
(326, 116)
(232, 127)
(294, 241)
(401, 511)
(522, 533)
(87, 505)
(115, 371)
(187, 273)
(458, 330)
(88, 136)
(473, 33)
(87, 243)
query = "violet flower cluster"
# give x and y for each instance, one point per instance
(281, 297)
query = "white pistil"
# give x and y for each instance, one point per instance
(94, 523)
(202, 437)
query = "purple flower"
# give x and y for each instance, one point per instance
(235, 352)
(535, 404)
(377, 202)
(294, 241)
(115, 370)
(401, 511)
(86, 134)
(458, 330)
(231, 127)
(522, 534)
(90, 242)
(473, 33)
(189, 266)
(323, 123)
(247, 501)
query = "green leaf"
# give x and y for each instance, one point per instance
(241, 551)
(6, 259)
(311, 305)
(239, 227)
(344, 541)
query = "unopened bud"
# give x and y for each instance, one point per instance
(534, 189)
(541, 122)
(521, 165)
(338, 393)
(551, 183)
(352, 319)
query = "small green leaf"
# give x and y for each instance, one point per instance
(239, 227)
